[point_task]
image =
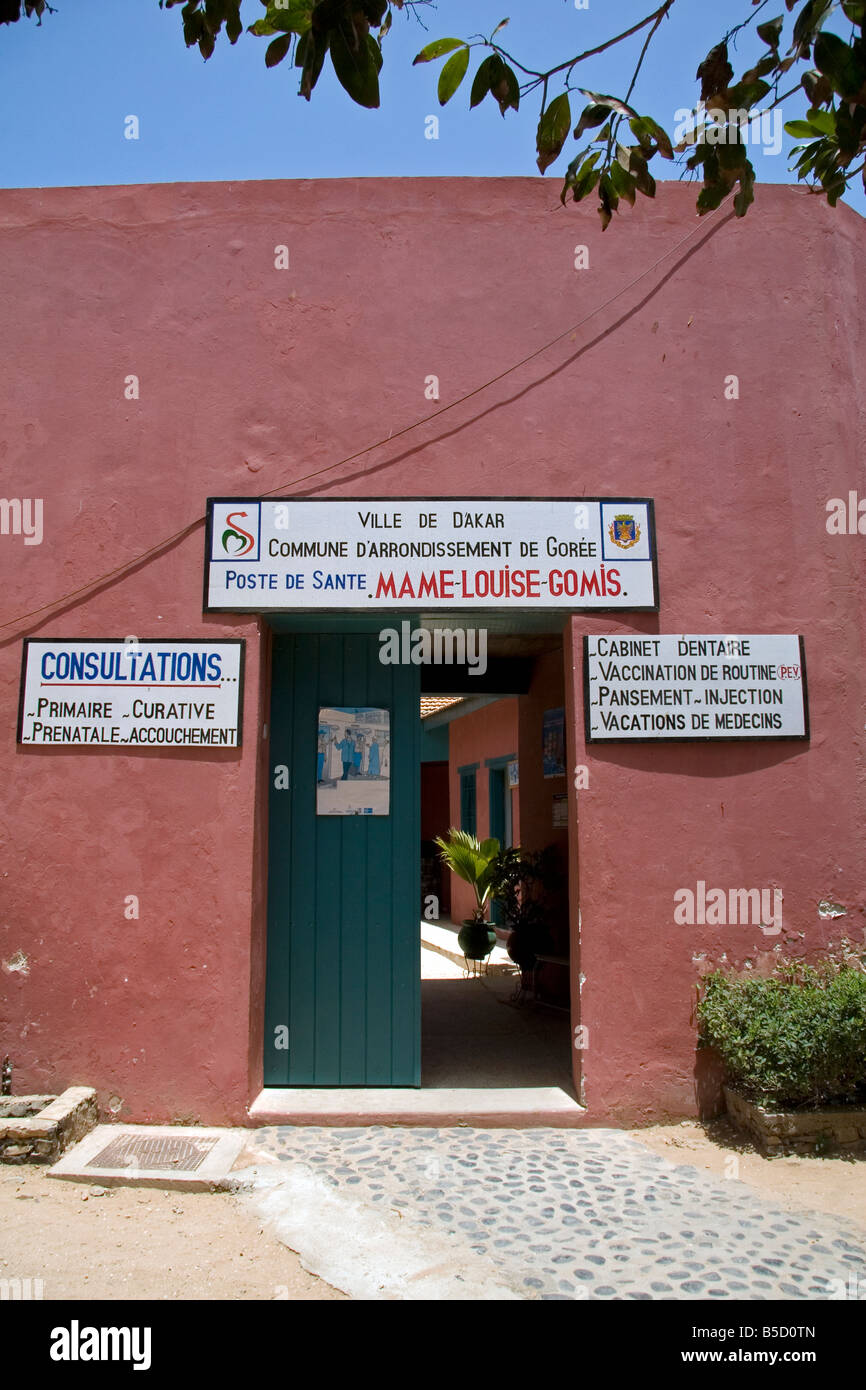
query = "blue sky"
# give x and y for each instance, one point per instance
(67, 86)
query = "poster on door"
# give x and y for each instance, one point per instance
(353, 772)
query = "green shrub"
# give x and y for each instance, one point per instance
(797, 1039)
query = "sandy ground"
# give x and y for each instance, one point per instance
(144, 1243)
(797, 1183)
(141, 1243)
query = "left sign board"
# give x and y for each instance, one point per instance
(131, 693)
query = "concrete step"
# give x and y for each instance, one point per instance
(518, 1107)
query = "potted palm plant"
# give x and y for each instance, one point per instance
(477, 863)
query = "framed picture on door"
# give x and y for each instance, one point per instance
(353, 761)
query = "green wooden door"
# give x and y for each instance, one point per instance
(343, 1004)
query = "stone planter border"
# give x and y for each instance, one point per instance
(42, 1138)
(841, 1127)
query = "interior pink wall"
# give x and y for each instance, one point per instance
(251, 379)
(546, 692)
(490, 732)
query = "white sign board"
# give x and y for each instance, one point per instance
(437, 553)
(119, 694)
(694, 687)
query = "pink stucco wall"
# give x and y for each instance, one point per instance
(251, 379)
(490, 732)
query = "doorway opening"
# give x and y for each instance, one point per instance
(493, 764)
(361, 779)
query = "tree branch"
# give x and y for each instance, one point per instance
(656, 16)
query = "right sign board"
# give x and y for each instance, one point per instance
(643, 688)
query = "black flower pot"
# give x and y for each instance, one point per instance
(521, 950)
(476, 939)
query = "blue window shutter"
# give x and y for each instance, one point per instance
(467, 802)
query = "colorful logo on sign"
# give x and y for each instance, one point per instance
(624, 531)
(236, 541)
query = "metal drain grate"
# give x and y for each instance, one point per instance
(152, 1152)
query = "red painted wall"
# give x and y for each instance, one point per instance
(253, 379)
(490, 732)
(435, 801)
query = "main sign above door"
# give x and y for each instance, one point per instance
(416, 553)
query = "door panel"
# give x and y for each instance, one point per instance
(343, 970)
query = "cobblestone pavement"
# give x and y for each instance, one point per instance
(585, 1213)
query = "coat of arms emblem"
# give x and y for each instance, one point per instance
(624, 531)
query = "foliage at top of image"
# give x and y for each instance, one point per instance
(614, 163)
(12, 10)
(794, 1040)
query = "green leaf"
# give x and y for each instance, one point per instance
(437, 49)
(585, 185)
(277, 50)
(481, 82)
(295, 19)
(580, 165)
(810, 19)
(768, 63)
(356, 69)
(552, 130)
(644, 180)
(801, 130)
(310, 58)
(710, 198)
(574, 181)
(855, 10)
(771, 32)
(505, 88)
(849, 133)
(647, 130)
(580, 176)
(452, 75)
(590, 117)
(823, 121)
(715, 73)
(608, 193)
(838, 62)
(746, 196)
(732, 156)
(746, 94)
(817, 88)
(623, 183)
